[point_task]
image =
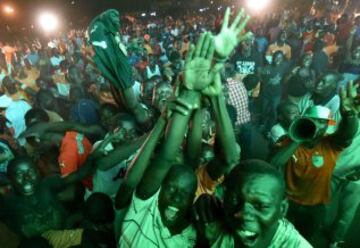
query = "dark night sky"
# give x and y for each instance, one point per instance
(27, 10)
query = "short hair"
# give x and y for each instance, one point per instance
(15, 162)
(41, 94)
(36, 113)
(254, 167)
(10, 85)
(337, 75)
(277, 53)
(251, 81)
(98, 209)
(177, 169)
(296, 86)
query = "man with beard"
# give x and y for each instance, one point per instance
(254, 211)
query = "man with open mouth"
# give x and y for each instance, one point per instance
(254, 211)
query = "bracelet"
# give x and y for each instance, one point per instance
(220, 60)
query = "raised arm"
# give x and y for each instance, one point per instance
(120, 153)
(139, 165)
(349, 110)
(283, 155)
(198, 75)
(225, 137)
(194, 140)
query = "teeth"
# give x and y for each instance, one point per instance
(247, 233)
(170, 212)
(28, 187)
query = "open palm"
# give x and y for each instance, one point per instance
(349, 99)
(229, 37)
(198, 68)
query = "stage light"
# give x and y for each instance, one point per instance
(257, 5)
(48, 21)
(8, 9)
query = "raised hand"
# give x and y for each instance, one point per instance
(349, 99)
(229, 37)
(215, 88)
(198, 71)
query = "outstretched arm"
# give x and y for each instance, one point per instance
(225, 136)
(139, 165)
(198, 75)
(194, 140)
(349, 109)
(175, 134)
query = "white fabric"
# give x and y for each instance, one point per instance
(142, 227)
(55, 61)
(15, 113)
(150, 73)
(108, 181)
(5, 101)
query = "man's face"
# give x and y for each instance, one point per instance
(147, 91)
(307, 61)
(176, 198)
(25, 179)
(289, 114)
(325, 85)
(108, 119)
(278, 59)
(246, 45)
(252, 210)
(115, 19)
(161, 94)
(126, 131)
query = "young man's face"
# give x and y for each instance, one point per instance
(126, 132)
(147, 91)
(253, 208)
(161, 94)
(25, 178)
(176, 198)
(278, 59)
(115, 19)
(326, 85)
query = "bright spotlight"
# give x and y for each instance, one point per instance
(257, 5)
(8, 9)
(48, 21)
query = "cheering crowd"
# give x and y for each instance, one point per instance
(198, 130)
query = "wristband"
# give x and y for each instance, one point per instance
(220, 60)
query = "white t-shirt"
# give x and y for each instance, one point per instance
(108, 181)
(142, 227)
(15, 113)
(55, 61)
